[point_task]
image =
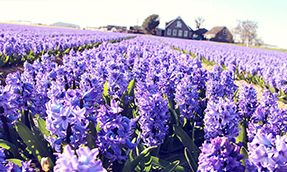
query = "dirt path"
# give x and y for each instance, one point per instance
(4, 71)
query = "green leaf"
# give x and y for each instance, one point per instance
(163, 164)
(187, 141)
(167, 145)
(9, 146)
(15, 161)
(33, 143)
(106, 89)
(179, 157)
(283, 99)
(243, 138)
(171, 166)
(131, 87)
(130, 166)
(91, 142)
(6, 59)
(42, 126)
(67, 51)
(174, 117)
(146, 161)
(170, 102)
(92, 129)
(190, 160)
(235, 95)
(244, 151)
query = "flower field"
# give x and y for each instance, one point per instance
(19, 43)
(139, 104)
(266, 68)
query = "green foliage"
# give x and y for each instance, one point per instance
(150, 23)
(164, 164)
(42, 126)
(189, 144)
(171, 166)
(9, 146)
(190, 160)
(34, 142)
(15, 161)
(132, 163)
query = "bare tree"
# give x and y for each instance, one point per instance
(199, 22)
(247, 31)
(259, 41)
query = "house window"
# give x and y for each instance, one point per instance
(190, 35)
(180, 33)
(174, 32)
(178, 24)
(185, 33)
(168, 31)
(224, 32)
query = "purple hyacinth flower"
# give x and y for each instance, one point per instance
(221, 119)
(247, 101)
(2, 159)
(153, 110)
(187, 99)
(11, 167)
(267, 152)
(220, 155)
(84, 161)
(115, 131)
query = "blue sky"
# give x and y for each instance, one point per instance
(270, 15)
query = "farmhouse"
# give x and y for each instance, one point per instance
(178, 29)
(159, 31)
(198, 34)
(136, 29)
(113, 28)
(219, 34)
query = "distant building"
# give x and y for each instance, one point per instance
(91, 28)
(113, 28)
(219, 34)
(159, 31)
(198, 34)
(178, 29)
(136, 29)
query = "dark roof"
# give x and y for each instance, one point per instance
(170, 22)
(167, 23)
(159, 28)
(201, 31)
(215, 30)
(178, 18)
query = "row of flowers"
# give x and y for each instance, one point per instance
(24, 42)
(137, 105)
(266, 68)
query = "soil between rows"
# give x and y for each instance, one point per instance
(239, 83)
